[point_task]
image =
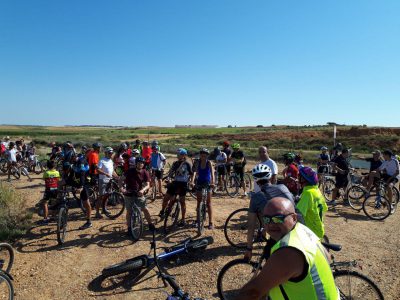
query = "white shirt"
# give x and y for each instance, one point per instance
(274, 168)
(159, 164)
(107, 166)
(12, 155)
(221, 159)
(391, 166)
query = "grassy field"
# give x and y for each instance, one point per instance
(280, 139)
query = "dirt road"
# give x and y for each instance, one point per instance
(44, 270)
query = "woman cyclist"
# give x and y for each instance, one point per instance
(205, 179)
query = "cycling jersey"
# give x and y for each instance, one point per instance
(51, 178)
(93, 160)
(204, 175)
(312, 206)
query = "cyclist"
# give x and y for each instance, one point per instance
(106, 172)
(221, 160)
(181, 172)
(238, 160)
(205, 179)
(137, 184)
(51, 178)
(323, 162)
(297, 267)
(375, 162)
(228, 151)
(119, 160)
(69, 153)
(312, 203)
(266, 160)
(158, 161)
(135, 154)
(146, 154)
(6, 142)
(342, 167)
(155, 143)
(93, 159)
(262, 175)
(137, 146)
(290, 173)
(11, 155)
(55, 151)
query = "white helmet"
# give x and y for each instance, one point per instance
(261, 172)
(135, 151)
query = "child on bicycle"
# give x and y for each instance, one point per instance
(51, 178)
(205, 178)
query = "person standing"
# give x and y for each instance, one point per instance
(266, 160)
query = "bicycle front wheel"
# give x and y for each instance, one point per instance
(136, 224)
(235, 228)
(355, 196)
(62, 224)
(327, 189)
(233, 276)
(6, 287)
(201, 217)
(114, 205)
(6, 257)
(129, 265)
(377, 207)
(353, 285)
(232, 186)
(171, 216)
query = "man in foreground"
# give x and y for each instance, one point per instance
(297, 268)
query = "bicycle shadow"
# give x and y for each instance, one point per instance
(33, 186)
(347, 214)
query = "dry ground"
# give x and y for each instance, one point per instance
(44, 270)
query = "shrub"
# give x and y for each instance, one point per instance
(14, 218)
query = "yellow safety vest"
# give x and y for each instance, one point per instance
(318, 284)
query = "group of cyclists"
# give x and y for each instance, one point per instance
(292, 209)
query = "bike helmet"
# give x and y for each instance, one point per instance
(108, 150)
(182, 151)
(309, 175)
(155, 147)
(324, 148)
(261, 172)
(140, 160)
(124, 146)
(154, 143)
(204, 150)
(289, 156)
(135, 151)
(96, 145)
(226, 143)
(236, 146)
(217, 151)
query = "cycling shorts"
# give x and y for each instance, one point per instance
(177, 188)
(200, 185)
(386, 177)
(239, 170)
(158, 173)
(221, 170)
(341, 181)
(323, 169)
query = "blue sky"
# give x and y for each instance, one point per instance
(200, 62)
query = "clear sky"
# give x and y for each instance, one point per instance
(218, 62)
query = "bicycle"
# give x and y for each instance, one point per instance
(154, 187)
(233, 183)
(235, 229)
(6, 286)
(114, 203)
(377, 206)
(136, 225)
(148, 263)
(62, 217)
(236, 273)
(202, 209)
(6, 257)
(33, 164)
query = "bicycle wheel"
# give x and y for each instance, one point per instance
(129, 265)
(201, 217)
(235, 228)
(171, 216)
(3, 165)
(6, 287)
(376, 207)
(114, 205)
(395, 198)
(233, 276)
(327, 189)
(153, 194)
(6, 257)
(200, 244)
(353, 285)
(355, 196)
(43, 164)
(248, 182)
(232, 186)
(136, 224)
(62, 224)
(37, 168)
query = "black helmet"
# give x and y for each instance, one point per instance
(140, 159)
(96, 145)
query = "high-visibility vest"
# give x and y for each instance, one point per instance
(318, 284)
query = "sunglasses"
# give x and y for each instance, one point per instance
(277, 219)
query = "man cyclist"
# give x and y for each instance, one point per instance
(158, 161)
(290, 173)
(137, 184)
(106, 171)
(11, 155)
(181, 172)
(221, 160)
(51, 178)
(323, 162)
(312, 205)
(297, 267)
(342, 167)
(205, 179)
(228, 151)
(266, 160)
(238, 160)
(375, 162)
(93, 159)
(132, 159)
(262, 175)
(146, 154)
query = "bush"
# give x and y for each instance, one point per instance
(14, 218)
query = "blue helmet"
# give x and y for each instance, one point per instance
(182, 151)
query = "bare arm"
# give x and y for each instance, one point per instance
(274, 179)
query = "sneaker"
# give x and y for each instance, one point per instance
(98, 216)
(87, 225)
(43, 222)
(245, 194)
(181, 223)
(210, 227)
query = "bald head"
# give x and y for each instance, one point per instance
(263, 153)
(279, 205)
